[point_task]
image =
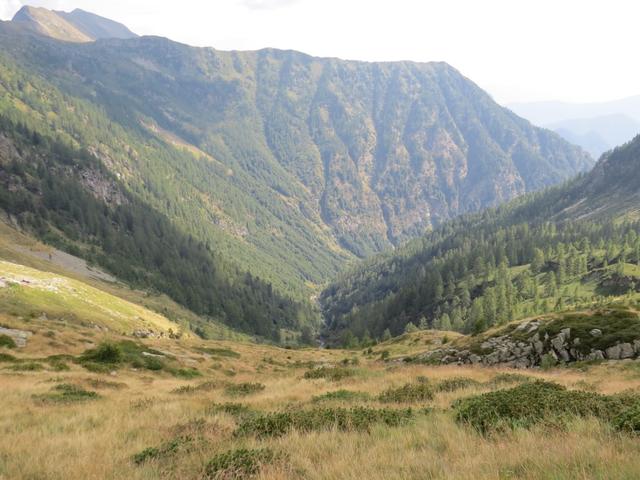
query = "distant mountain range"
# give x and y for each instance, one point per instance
(284, 165)
(596, 127)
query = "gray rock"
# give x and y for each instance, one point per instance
(538, 346)
(613, 353)
(596, 332)
(566, 333)
(475, 359)
(626, 351)
(595, 355)
(636, 346)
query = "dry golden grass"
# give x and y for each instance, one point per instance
(96, 439)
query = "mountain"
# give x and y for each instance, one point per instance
(596, 127)
(276, 163)
(75, 26)
(598, 134)
(545, 113)
(571, 246)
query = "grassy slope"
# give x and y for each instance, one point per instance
(85, 296)
(137, 409)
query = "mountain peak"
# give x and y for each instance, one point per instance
(76, 26)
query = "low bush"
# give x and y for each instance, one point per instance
(7, 342)
(239, 464)
(66, 393)
(243, 389)
(629, 419)
(201, 387)
(455, 383)
(343, 396)
(411, 392)
(6, 358)
(109, 353)
(532, 403)
(27, 367)
(238, 411)
(329, 373)
(322, 418)
(167, 449)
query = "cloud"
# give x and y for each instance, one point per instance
(267, 4)
(8, 8)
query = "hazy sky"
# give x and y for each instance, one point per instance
(519, 50)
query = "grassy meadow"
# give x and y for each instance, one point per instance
(62, 418)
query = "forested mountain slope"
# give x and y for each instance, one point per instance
(342, 157)
(68, 197)
(570, 246)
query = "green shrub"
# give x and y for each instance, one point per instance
(66, 393)
(239, 464)
(548, 361)
(532, 403)
(7, 341)
(322, 418)
(342, 395)
(5, 357)
(27, 367)
(202, 387)
(167, 449)
(330, 373)
(238, 411)
(108, 353)
(629, 419)
(186, 373)
(411, 392)
(243, 389)
(455, 383)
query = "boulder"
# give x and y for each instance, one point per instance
(614, 352)
(596, 332)
(626, 351)
(595, 355)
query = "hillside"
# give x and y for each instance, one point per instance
(340, 159)
(68, 198)
(569, 247)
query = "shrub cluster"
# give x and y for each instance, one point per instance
(201, 387)
(7, 341)
(532, 403)
(167, 449)
(342, 395)
(243, 389)
(239, 464)
(238, 411)
(330, 373)
(66, 393)
(324, 418)
(456, 383)
(109, 356)
(411, 392)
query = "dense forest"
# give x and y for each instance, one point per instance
(551, 251)
(67, 197)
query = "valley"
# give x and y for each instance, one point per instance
(262, 264)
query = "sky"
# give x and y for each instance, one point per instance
(518, 50)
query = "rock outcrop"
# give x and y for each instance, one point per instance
(526, 347)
